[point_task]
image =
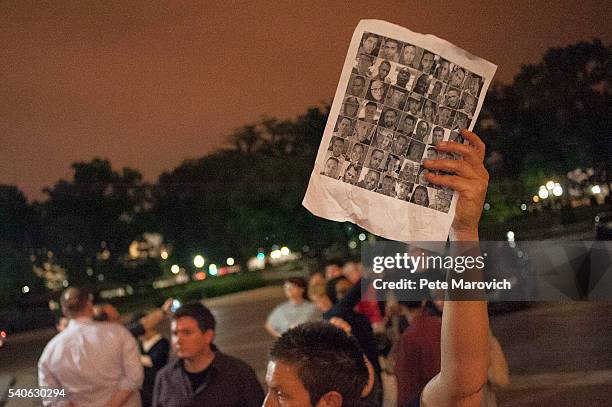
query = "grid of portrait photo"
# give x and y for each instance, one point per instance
(401, 100)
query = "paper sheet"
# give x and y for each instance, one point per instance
(399, 93)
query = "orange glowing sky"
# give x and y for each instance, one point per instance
(147, 84)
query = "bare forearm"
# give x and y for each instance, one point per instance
(465, 328)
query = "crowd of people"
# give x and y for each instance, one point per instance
(335, 345)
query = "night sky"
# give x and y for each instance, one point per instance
(147, 84)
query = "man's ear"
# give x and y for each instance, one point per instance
(210, 335)
(330, 399)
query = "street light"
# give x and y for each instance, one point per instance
(543, 192)
(230, 261)
(550, 185)
(198, 261)
(212, 269)
(175, 269)
(557, 190)
(595, 189)
(362, 236)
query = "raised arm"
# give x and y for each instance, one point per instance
(464, 340)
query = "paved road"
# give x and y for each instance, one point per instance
(560, 354)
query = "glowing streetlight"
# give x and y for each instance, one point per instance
(487, 206)
(352, 244)
(25, 289)
(557, 190)
(198, 261)
(175, 269)
(362, 236)
(230, 261)
(285, 251)
(275, 254)
(164, 255)
(510, 236)
(523, 207)
(212, 269)
(543, 193)
(595, 189)
(535, 199)
(550, 185)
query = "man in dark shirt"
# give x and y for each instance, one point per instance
(202, 375)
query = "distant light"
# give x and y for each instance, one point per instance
(487, 206)
(536, 199)
(25, 289)
(550, 184)
(275, 247)
(230, 261)
(362, 236)
(285, 251)
(212, 269)
(275, 254)
(557, 190)
(3, 334)
(200, 275)
(261, 256)
(101, 277)
(596, 189)
(510, 236)
(543, 193)
(306, 248)
(89, 271)
(175, 269)
(352, 244)
(198, 261)
(65, 283)
(523, 207)
(164, 255)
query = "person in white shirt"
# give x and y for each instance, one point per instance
(97, 363)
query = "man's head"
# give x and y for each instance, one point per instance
(364, 64)
(193, 331)
(408, 54)
(331, 167)
(443, 69)
(383, 69)
(427, 62)
(403, 77)
(457, 77)
(344, 126)
(390, 49)
(414, 105)
(358, 86)
(452, 98)
(437, 135)
(389, 118)
(351, 106)
(357, 152)
(371, 180)
(387, 184)
(351, 174)
(370, 111)
(422, 129)
(400, 145)
(395, 97)
(376, 158)
(76, 302)
(369, 42)
(315, 365)
(337, 147)
(409, 122)
(443, 116)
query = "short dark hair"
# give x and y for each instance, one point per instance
(74, 300)
(199, 312)
(325, 359)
